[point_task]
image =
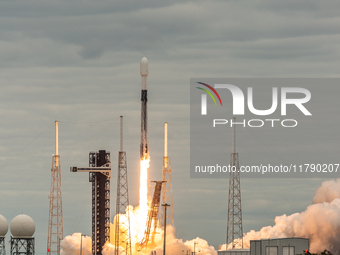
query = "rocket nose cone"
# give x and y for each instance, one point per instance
(144, 67)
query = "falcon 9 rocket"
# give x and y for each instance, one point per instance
(144, 147)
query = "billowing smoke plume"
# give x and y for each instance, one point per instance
(70, 245)
(174, 246)
(320, 222)
(327, 192)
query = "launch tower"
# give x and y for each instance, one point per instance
(100, 174)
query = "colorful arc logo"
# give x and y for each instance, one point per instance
(204, 97)
(208, 92)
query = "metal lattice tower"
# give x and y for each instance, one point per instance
(151, 222)
(234, 224)
(55, 223)
(2, 246)
(100, 201)
(22, 246)
(166, 197)
(99, 174)
(122, 219)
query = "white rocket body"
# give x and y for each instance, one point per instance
(144, 71)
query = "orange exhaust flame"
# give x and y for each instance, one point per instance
(143, 196)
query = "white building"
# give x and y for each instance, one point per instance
(235, 252)
(280, 246)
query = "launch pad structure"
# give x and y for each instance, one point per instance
(99, 174)
(152, 218)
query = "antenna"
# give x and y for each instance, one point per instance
(234, 135)
(234, 223)
(121, 133)
(165, 139)
(56, 141)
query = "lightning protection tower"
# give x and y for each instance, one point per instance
(55, 223)
(234, 224)
(122, 219)
(167, 183)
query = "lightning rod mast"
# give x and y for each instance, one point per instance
(122, 219)
(167, 184)
(55, 223)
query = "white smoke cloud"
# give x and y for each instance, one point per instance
(177, 246)
(320, 222)
(109, 249)
(202, 246)
(327, 192)
(70, 245)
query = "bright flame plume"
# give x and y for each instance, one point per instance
(143, 196)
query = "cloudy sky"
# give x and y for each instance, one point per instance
(78, 62)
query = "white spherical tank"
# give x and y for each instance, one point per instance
(3, 226)
(22, 226)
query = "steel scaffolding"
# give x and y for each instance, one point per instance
(122, 218)
(234, 224)
(55, 223)
(166, 197)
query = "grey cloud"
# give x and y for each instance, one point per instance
(78, 62)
